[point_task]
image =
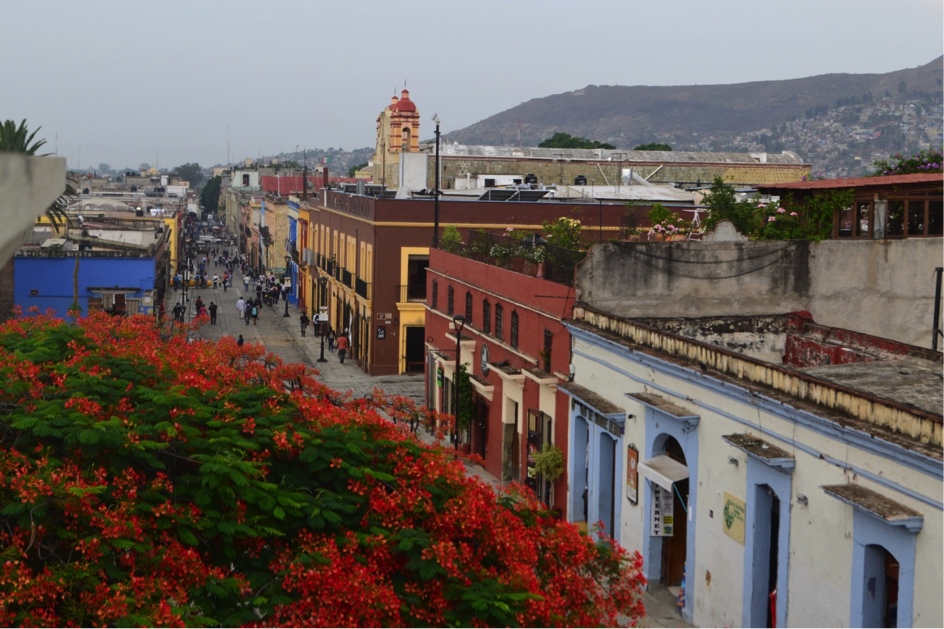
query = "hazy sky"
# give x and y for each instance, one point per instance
(130, 82)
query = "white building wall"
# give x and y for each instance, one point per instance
(820, 587)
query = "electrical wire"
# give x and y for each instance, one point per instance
(720, 277)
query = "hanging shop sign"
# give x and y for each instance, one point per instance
(632, 474)
(663, 517)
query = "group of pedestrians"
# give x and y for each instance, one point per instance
(249, 309)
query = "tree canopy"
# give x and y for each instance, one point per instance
(352, 171)
(653, 146)
(190, 172)
(148, 480)
(566, 141)
(210, 194)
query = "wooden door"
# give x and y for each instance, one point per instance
(674, 548)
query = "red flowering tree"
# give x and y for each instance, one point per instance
(145, 480)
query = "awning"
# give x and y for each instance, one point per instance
(663, 471)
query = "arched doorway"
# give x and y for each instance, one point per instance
(675, 547)
(880, 605)
(606, 492)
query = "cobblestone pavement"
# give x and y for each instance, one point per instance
(282, 336)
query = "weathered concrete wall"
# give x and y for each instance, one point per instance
(879, 287)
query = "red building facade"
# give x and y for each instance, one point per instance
(516, 351)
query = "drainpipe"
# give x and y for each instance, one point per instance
(937, 308)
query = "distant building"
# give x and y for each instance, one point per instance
(398, 129)
(604, 167)
(123, 264)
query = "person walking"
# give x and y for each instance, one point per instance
(212, 310)
(254, 313)
(199, 304)
(240, 341)
(331, 338)
(304, 320)
(246, 283)
(342, 347)
(241, 307)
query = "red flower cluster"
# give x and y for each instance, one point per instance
(146, 480)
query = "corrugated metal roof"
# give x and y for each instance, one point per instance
(856, 182)
(627, 157)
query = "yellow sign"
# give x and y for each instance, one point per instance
(735, 513)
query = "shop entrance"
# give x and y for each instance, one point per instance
(415, 351)
(480, 426)
(674, 548)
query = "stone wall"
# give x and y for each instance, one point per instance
(879, 287)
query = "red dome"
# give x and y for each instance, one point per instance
(404, 104)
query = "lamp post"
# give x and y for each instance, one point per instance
(436, 191)
(288, 261)
(322, 282)
(459, 323)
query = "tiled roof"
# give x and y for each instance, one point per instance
(856, 182)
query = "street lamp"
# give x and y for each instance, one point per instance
(459, 322)
(288, 261)
(322, 282)
(436, 191)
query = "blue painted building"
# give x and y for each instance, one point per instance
(107, 280)
(781, 472)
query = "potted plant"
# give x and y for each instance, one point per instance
(549, 461)
(451, 240)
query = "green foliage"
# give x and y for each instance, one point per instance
(811, 220)
(549, 461)
(352, 171)
(564, 233)
(659, 213)
(927, 161)
(653, 146)
(566, 141)
(451, 240)
(191, 173)
(17, 139)
(210, 195)
(466, 408)
(723, 205)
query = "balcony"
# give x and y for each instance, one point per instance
(347, 277)
(362, 288)
(411, 292)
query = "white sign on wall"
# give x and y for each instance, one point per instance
(662, 514)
